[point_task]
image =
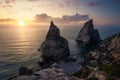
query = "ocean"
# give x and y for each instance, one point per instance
(19, 45)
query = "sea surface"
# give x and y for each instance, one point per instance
(19, 45)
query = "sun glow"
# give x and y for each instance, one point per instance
(21, 23)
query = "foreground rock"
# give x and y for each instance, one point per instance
(112, 45)
(57, 71)
(103, 62)
(88, 36)
(55, 47)
(25, 71)
(47, 74)
(69, 67)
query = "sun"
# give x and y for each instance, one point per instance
(21, 23)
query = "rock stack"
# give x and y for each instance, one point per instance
(88, 35)
(55, 47)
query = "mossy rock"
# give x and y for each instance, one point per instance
(113, 70)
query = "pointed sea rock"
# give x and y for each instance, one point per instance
(88, 35)
(53, 32)
(55, 47)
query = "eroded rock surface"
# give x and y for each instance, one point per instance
(55, 47)
(112, 45)
(47, 74)
(88, 35)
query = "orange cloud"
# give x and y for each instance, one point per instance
(7, 20)
(65, 18)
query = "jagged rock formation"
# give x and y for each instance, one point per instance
(47, 74)
(55, 47)
(88, 35)
(112, 45)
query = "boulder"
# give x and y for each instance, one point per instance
(100, 75)
(94, 54)
(47, 74)
(69, 67)
(93, 63)
(53, 74)
(25, 71)
(88, 35)
(55, 47)
(100, 57)
(116, 54)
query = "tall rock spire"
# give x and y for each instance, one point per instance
(55, 47)
(53, 31)
(88, 35)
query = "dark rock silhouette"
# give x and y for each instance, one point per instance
(55, 47)
(25, 71)
(22, 70)
(88, 35)
(53, 32)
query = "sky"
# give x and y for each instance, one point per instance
(64, 12)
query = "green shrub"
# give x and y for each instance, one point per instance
(113, 69)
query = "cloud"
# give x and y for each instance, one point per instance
(77, 18)
(32, 0)
(9, 1)
(7, 20)
(92, 4)
(42, 17)
(6, 4)
(68, 3)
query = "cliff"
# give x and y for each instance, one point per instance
(112, 45)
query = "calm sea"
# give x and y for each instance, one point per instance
(18, 45)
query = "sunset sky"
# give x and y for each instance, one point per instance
(104, 12)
